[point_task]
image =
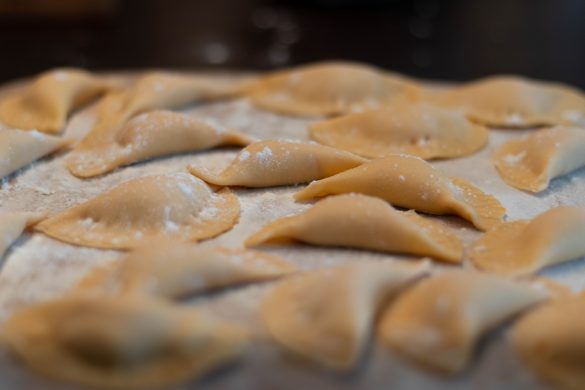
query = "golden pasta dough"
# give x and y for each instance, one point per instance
(362, 221)
(531, 162)
(153, 134)
(120, 343)
(156, 90)
(149, 208)
(420, 129)
(523, 247)
(18, 148)
(13, 224)
(46, 103)
(326, 315)
(175, 270)
(276, 162)
(509, 102)
(439, 321)
(550, 341)
(410, 182)
(329, 88)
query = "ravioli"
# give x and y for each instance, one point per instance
(13, 224)
(120, 343)
(329, 88)
(154, 134)
(524, 247)
(531, 162)
(146, 209)
(362, 221)
(276, 163)
(46, 103)
(420, 129)
(550, 341)
(326, 315)
(439, 321)
(156, 90)
(510, 101)
(410, 182)
(18, 148)
(175, 270)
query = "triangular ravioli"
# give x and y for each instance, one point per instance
(531, 162)
(410, 182)
(175, 270)
(439, 321)
(523, 247)
(149, 208)
(328, 88)
(510, 101)
(18, 148)
(156, 90)
(46, 103)
(120, 343)
(154, 134)
(420, 129)
(550, 341)
(362, 221)
(13, 224)
(276, 162)
(326, 315)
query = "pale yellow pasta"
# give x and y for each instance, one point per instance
(120, 343)
(154, 134)
(420, 129)
(277, 162)
(362, 221)
(439, 321)
(510, 101)
(523, 247)
(410, 182)
(329, 88)
(46, 103)
(326, 315)
(177, 206)
(175, 270)
(550, 341)
(531, 162)
(18, 148)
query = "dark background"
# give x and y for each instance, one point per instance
(439, 39)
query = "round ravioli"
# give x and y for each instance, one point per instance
(328, 88)
(420, 129)
(177, 206)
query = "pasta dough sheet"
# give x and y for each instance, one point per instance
(38, 268)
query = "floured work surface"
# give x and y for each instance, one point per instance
(38, 268)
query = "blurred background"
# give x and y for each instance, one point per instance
(438, 39)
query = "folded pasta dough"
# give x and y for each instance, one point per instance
(13, 224)
(46, 103)
(550, 341)
(276, 162)
(420, 129)
(155, 90)
(510, 101)
(326, 315)
(439, 321)
(153, 134)
(120, 343)
(531, 162)
(362, 221)
(329, 88)
(523, 247)
(18, 148)
(146, 209)
(410, 182)
(174, 270)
